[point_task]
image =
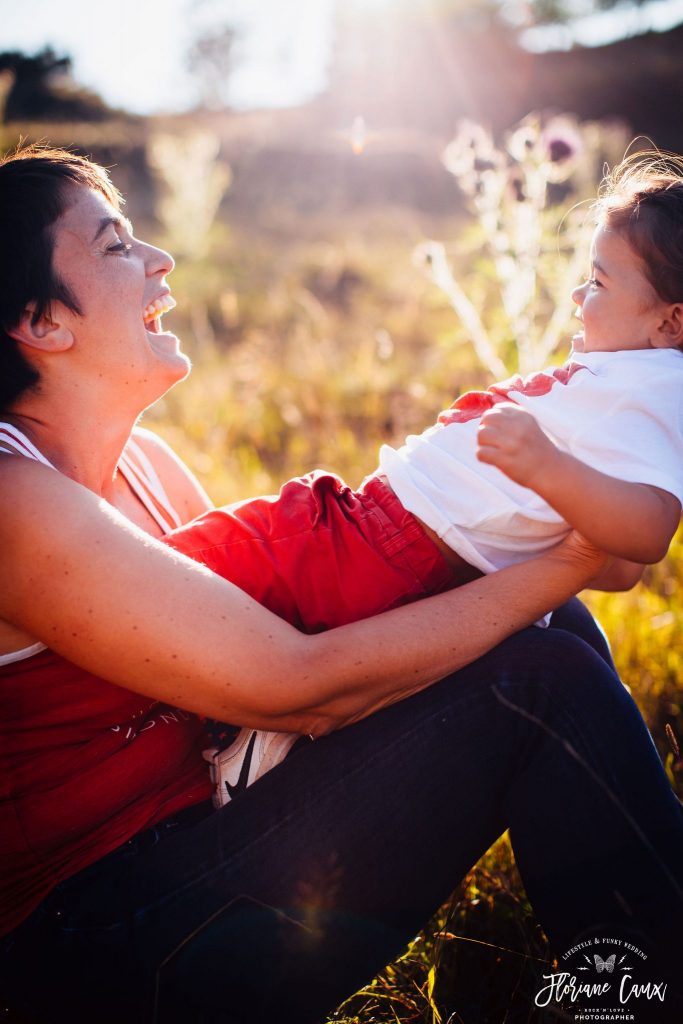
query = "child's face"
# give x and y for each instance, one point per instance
(617, 305)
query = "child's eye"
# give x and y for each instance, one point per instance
(594, 283)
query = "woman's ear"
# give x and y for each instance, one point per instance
(669, 334)
(44, 334)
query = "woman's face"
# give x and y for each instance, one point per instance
(119, 285)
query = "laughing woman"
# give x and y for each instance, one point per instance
(124, 895)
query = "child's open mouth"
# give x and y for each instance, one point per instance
(152, 314)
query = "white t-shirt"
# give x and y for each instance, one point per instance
(619, 412)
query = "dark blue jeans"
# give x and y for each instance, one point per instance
(295, 894)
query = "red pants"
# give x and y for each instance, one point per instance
(320, 555)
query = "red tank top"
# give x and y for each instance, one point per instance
(84, 765)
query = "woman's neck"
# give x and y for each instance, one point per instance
(84, 444)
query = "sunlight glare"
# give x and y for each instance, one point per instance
(359, 135)
(372, 5)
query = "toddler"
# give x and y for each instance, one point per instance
(596, 445)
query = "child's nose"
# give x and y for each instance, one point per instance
(578, 294)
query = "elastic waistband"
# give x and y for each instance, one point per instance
(404, 538)
(402, 527)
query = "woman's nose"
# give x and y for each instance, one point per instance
(158, 261)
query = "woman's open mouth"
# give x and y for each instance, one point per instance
(152, 314)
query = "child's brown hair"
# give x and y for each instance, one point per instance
(642, 199)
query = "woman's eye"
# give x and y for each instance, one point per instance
(122, 247)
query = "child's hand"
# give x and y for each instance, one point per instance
(510, 438)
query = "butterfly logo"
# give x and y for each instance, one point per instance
(604, 965)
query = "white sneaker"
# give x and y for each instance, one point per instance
(251, 754)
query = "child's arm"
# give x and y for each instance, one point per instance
(631, 521)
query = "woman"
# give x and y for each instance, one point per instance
(124, 897)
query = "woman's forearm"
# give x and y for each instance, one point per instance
(98, 591)
(400, 652)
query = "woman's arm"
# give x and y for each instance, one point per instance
(78, 576)
(631, 521)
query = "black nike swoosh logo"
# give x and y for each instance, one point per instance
(243, 780)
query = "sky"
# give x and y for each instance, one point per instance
(133, 52)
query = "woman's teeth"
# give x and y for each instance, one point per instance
(152, 314)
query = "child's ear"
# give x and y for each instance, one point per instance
(45, 334)
(669, 334)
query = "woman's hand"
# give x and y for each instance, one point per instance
(605, 571)
(584, 556)
(617, 575)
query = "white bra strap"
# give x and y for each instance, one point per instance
(145, 482)
(23, 654)
(153, 482)
(18, 444)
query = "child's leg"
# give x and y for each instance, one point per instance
(319, 555)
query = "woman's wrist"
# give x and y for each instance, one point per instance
(578, 557)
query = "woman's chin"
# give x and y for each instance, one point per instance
(169, 366)
(166, 350)
(178, 368)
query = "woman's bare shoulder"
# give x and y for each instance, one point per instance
(25, 480)
(20, 485)
(39, 509)
(37, 502)
(185, 492)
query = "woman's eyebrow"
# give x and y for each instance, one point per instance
(113, 222)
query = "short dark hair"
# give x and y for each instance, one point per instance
(642, 200)
(32, 197)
